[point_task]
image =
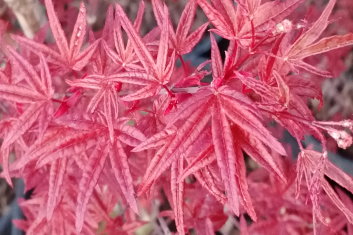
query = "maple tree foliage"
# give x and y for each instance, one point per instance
(110, 124)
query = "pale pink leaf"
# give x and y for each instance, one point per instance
(283, 88)
(217, 66)
(143, 93)
(169, 69)
(163, 46)
(132, 131)
(270, 12)
(187, 107)
(57, 30)
(128, 140)
(336, 200)
(84, 57)
(340, 177)
(242, 100)
(108, 28)
(158, 10)
(240, 170)
(205, 158)
(56, 141)
(48, 159)
(30, 75)
(314, 32)
(121, 169)
(225, 155)
(36, 47)
(177, 189)
(217, 19)
(79, 32)
(186, 135)
(116, 58)
(194, 38)
(108, 115)
(260, 154)
(229, 8)
(89, 179)
(133, 77)
(185, 21)
(156, 140)
(56, 181)
(19, 94)
(251, 124)
(311, 69)
(23, 123)
(46, 77)
(140, 48)
(95, 100)
(207, 181)
(325, 45)
(89, 83)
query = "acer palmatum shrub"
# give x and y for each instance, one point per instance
(115, 132)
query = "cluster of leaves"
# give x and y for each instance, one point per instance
(112, 123)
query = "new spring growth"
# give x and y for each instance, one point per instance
(283, 27)
(341, 136)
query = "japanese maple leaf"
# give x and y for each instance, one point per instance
(314, 166)
(157, 73)
(276, 96)
(70, 54)
(182, 41)
(106, 89)
(124, 55)
(99, 209)
(106, 94)
(286, 101)
(177, 189)
(36, 95)
(347, 201)
(199, 211)
(64, 141)
(230, 21)
(187, 211)
(293, 90)
(260, 17)
(306, 46)
(218, 106)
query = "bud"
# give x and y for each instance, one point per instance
(284, 27)
(343, 139)
(348, 124)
